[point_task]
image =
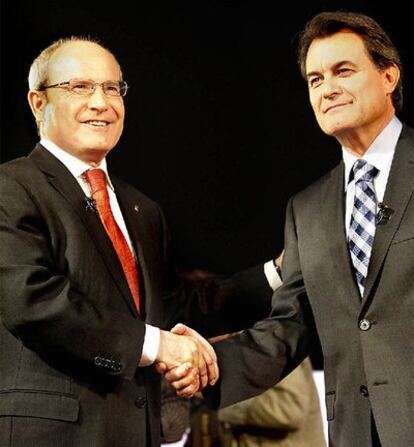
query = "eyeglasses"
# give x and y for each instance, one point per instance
(86, 87)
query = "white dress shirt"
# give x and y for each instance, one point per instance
(77, 167)
(380, 155)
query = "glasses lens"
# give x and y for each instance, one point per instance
(86, 87)
(81, 86)
(112, 88)
(121, 87)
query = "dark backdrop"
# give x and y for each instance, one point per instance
(218, 130)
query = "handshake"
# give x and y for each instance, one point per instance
(187, 360)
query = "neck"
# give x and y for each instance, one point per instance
(358, 140)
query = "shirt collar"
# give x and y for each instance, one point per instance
(76, 166)
(381, 151)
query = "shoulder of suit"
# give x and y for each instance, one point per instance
(17, 167)
(314, 188)
(409, 132)
(19, 176)
(16, 162)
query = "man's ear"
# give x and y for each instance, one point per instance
(37, 101)
(391, 78)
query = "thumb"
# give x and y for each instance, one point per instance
(179, 329)
(160, 367)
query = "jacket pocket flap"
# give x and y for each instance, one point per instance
(39, 404)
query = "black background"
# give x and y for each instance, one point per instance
(218, 128)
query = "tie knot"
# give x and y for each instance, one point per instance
(363, 171)
(96, 179)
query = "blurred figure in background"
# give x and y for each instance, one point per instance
(286, 415)
(175, 417)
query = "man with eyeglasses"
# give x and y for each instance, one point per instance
(86, 87)
(82, 267)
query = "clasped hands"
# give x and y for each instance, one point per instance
(187, 360)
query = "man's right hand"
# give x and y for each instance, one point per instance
(189, 358)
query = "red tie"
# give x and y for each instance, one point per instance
(97, 181)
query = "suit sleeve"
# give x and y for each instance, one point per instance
(45, 306)
(255, 359)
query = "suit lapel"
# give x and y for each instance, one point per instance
(63, 181)
(399, 189)
(332, 212)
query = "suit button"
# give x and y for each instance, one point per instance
(364, 391)
(117, 367)
(99, 361)
(140, 401)
(364, 325)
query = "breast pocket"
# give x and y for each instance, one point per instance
(402, 237)
(405, 231)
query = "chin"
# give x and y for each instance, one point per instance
(95, 153)
(99, 150)
(332, 131)
(335, 128)
(98, 146)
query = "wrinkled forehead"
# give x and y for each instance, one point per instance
(328, 51)
(85, 60)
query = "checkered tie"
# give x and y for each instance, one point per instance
(362, 227)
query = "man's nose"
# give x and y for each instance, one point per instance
(331, 87)
(98, 100)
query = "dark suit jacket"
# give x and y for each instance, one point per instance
(70, 336)
(367, 344)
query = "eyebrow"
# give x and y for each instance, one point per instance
(335, 67)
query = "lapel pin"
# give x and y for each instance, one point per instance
(136, 208)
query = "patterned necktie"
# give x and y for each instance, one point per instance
(97, 182)
(362, 227)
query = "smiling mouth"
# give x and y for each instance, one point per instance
(335, 106)
(95, 123)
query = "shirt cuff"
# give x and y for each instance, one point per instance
(272, 276)
(151, 345)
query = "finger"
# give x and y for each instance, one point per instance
(191, 379)
(199, 395)
(180, 372)
(202, 366)
(210, 362)
(202, 370)
(180, 329)
(213, 373)
(160, 367)
(204, 380)
(212, 357)
(187, 391)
